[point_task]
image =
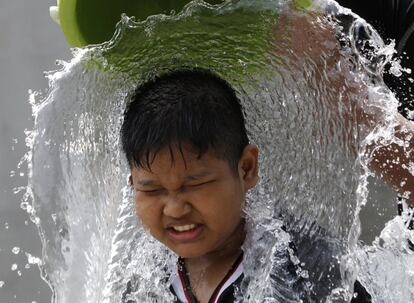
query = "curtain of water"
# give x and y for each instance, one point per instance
(301, 100)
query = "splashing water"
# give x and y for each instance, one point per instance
(301, 106)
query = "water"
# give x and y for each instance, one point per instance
(301, 106)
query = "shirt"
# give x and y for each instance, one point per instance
(225, 291)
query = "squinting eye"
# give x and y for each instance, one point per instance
(150, 192)
(196, 185)
(201, 184)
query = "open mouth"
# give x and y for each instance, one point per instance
(185, 232)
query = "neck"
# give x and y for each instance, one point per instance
(206, 272)
(222, 258)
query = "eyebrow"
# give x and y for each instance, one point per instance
(198, 176)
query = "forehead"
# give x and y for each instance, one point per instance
(182, 162)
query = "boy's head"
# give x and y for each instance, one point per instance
(185, 140)
(185, 106)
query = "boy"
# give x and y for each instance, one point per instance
(191, 166)
(191, 176)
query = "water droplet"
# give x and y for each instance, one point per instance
(24, 205)
(16, 250)
(12, 173)
(1, 284)
(304, 274)
(17, 190)
(33, 260)
(14, 267)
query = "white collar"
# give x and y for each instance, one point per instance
(179, 285)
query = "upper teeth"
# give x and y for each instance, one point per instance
(184, 227)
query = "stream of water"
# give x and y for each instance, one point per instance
(301, 102)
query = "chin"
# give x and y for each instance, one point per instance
(188, 253)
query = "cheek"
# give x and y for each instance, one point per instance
(147, 211)
(225, 203)
(233, 193)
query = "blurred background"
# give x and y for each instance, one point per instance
(30, 43)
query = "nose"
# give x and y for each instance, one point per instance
(176, 207)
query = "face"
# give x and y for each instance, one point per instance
(194, 205)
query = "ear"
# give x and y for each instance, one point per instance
(249, 167)
(130, 181)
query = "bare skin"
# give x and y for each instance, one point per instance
(392, 162)
(313, 37)
(182, 190)
(207, 272)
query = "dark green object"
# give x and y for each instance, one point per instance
(93, 21)
(233, 40)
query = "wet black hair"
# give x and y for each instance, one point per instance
(187, 106)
